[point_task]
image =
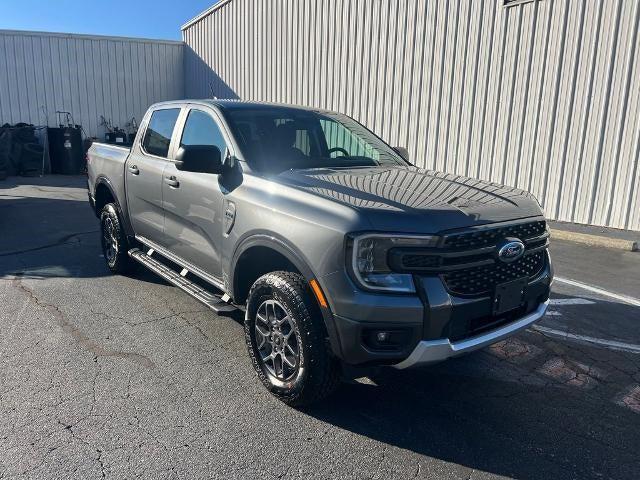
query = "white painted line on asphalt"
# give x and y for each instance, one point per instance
(610, 344)
(601, 291)
(553, 313)
(570, 301)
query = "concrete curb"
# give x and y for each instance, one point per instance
(595, 240)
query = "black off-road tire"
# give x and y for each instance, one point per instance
(318, 372)
(120, 262)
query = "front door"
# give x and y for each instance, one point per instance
(144, 170)
(193, 202)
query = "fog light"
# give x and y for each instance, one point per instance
(386, 340)
(383, 337)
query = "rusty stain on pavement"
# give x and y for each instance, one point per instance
(631, 399)
(514, 350)
(571, 373)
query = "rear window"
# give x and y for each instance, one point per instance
(158, 135)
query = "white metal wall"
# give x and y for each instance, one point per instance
(88, 76)
(543, 96)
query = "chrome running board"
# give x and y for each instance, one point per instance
(213, 301)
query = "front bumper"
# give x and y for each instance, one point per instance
(433, 325)
(434, 351)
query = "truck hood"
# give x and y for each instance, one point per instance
(410, 199)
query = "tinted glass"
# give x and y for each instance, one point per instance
(158, 135)
(202, 129)
(282, 138)
(341, 141)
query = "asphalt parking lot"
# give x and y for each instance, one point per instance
(107, 376)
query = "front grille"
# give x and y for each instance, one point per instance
(485, 237)
(482, 280)
(468, 261)
(411, 261)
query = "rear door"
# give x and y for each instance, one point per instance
(146, 164)
(193, 201)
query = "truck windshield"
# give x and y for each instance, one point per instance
(280, 138)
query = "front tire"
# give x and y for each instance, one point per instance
(115, 245)
(287, 340)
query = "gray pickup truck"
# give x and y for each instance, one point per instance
(338, 250)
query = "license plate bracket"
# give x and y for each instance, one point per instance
(509, 296)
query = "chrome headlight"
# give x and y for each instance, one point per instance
(369, 263)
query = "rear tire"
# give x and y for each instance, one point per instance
(115, 246)
(287, 340)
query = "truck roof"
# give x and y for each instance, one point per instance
(230, 104)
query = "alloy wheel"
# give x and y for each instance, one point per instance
(277, 340)
(109, 240)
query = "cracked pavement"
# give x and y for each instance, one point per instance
(113, 377)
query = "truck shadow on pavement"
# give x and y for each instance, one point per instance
(52, 237)
(555, 413)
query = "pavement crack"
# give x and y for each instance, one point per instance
(418, 471)
(195, 327)
(78, 336)
(157, 319)
(102, 471)
(62, 241)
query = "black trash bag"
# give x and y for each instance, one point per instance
(5, 152)
(31, 160)
(25, 133)
(15, 153)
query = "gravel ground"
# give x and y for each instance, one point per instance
(107, 376)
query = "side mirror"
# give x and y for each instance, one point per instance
(403, 152)
(199, 158)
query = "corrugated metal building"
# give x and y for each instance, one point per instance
(542, 95)
(88, 76)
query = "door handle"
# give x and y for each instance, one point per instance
(134, 170)
(172, 182)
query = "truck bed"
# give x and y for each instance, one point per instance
(108, 162)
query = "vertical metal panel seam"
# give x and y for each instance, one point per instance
(601, 137)
(634, 185)
(554, 109)
(406, 126)
(525, 94)
(462, 93)
(485, 96)
(583, 135)
(440, 86)
(498, 91)
(450, 100)
(623, 116)
(539, 104)
(511, 98)
(563, 157)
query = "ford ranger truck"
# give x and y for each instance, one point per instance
(337, 249)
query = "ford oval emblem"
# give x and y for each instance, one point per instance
(511, 250)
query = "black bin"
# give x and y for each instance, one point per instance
(65, 150)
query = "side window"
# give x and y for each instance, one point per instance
(201, 129)
(157, 138)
